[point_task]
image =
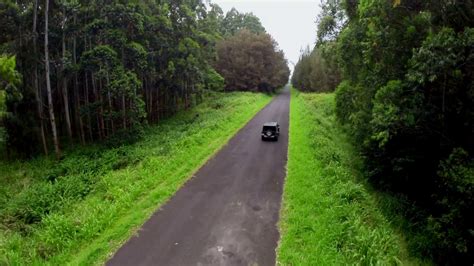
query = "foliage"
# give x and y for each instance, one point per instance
(330, 20)
(234, 21)
(9, 80)
(2, 104)
(8, 73)
(214, 80)
(407, 98)
(80, 210)
(249, 61)
(345, 101)
(329, 215)
(113, 62)
(454, 200)
(317, 70)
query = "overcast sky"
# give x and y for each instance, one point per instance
(291, 23)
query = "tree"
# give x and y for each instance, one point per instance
(407, 99)
(165, 50)
(234, 21)
(250, 61)
(331, 20)
(48, 82)
(317, 70)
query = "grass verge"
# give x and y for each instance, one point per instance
(329, 216)
(81, 209)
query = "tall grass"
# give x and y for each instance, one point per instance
(81, 209)
(330, 216)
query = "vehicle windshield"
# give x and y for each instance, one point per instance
(268, 128)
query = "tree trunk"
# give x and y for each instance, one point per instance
(86, 97)
(48, 83)
(77, 100)
(124, 115)
(109, 97)
(99, 113)
(150, 102)
(64, 88)
(39, 102)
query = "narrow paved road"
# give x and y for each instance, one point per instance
(227, 214)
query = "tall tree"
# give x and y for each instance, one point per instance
(48, 82)
(63, 70)
(251, 62)
(407, 99)
(110, 61)
(36, 88)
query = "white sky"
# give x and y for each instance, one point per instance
(291, 23)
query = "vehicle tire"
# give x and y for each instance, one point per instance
(276, 139)
(263, 139)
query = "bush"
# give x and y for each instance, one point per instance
(345, 97)
(213, 80)
(452, 223)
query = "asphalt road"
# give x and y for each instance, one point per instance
(227, 213)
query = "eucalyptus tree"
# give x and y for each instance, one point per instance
(111, 65)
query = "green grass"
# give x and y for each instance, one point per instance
(81, 209)
(329, 216)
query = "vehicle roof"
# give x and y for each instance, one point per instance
(270, 124)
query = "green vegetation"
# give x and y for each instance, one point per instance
(2, 115)
(2, 106)
(261, 66)
(2, 102)
(234, 21)
(94, 71)
(407, 100)
(317, 70)
(329, 215)
(82, 208)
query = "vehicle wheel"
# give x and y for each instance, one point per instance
(276, 139)
(263, 138)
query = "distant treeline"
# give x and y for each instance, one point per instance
(317, 70)
(251, 62)
(407, 99)
(86, 71)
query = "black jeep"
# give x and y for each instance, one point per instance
(271, 130)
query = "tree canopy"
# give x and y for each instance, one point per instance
(250, 61)
(102, 70)
(407, 99)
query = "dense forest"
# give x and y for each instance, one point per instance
(251, 62)
(407, 99)
(98, 71)
(317, 69)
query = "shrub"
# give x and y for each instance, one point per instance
(213, 80)
(345, 97)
